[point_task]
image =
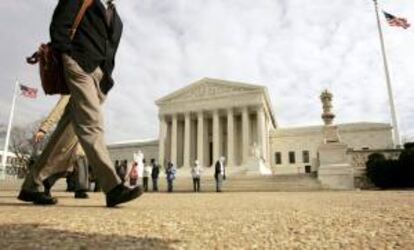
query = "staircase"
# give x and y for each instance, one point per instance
(240, 183)
(278, 183)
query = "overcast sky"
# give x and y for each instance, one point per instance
(294, 47)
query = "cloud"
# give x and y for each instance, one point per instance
(293, 47)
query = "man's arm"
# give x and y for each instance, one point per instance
(62, 21)
(55, 115)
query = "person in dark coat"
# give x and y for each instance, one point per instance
(154, 175)
(220, 173)
(120, 170)
(88, 62)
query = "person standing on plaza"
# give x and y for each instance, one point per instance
(220, 173)
(196, 174)
(170, 172)
(139, 159)
(132, 174)
(120, 170)
(146, 175)
(88, 62)
(155, 175)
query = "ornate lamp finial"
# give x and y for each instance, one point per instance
(327, 115)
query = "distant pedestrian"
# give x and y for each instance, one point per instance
(196, 174)
(139, 158)
(94, 179)
(133, 174)
(146, 175)
(154, 175)
(120, 168)
(170, 172)
(220, 173)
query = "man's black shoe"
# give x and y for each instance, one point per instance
(121, 194)
(38, 198)
(47, 192)
(81, 195)
(47, 188)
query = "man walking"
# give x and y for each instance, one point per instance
(220, 173)
(71, 155)
(88, 62)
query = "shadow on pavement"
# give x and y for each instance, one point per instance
(29, 204)
(38, 236)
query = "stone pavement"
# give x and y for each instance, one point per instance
(267, 220)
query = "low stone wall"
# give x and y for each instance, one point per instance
(358, 160)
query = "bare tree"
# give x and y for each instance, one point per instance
(23, 145)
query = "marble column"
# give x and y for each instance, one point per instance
(162, 140)
(230, 137)
(245, 134)
(187, 140)
(174, 140)
(200, 137)
(261, 133)
(216, 136)
(267, 152)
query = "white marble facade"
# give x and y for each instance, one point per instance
(297, 141)
(212, 118)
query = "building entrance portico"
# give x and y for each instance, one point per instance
(213, 118)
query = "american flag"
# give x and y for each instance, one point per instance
(396, 21)
(28, 92)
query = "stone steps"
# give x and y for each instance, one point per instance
(247, 183)
(285, 183)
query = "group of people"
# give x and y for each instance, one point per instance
(131, 173)
(219, 174)
(196, 172)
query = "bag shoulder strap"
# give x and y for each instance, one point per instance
(85, 5)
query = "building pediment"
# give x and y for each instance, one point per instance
(209, 88)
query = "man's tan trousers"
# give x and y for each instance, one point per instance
(83, 117)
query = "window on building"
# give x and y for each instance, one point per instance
(278, 158)
(292, 159)
(305, 156)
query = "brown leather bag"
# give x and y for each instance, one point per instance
(50, 61)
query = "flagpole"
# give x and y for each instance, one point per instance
(396, 134)
(6, 144)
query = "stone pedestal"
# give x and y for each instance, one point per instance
(330, 134)
(334, 171)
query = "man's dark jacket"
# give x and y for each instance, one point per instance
(155, 171)
(218, 170)
(95, 42)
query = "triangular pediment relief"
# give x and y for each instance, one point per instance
(207, 88)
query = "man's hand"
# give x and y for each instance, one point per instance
(39, 136)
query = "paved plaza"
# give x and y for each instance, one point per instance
(268, 220)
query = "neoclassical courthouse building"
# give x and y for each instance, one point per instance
(212, 118)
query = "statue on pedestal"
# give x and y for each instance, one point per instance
(334, 170)
(256, 163)
(256, 152)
